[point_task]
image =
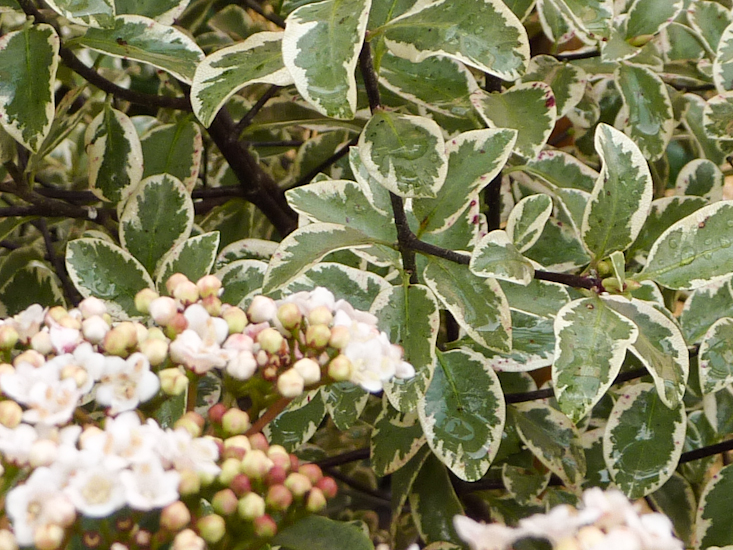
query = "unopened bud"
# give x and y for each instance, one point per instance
(240, 485)
(190, 483)
(7, 540)
(155, 350)
(236, 319)
(41, 342)
(238, 441)
(48, 536)
(56, 313)
(188, 540)
(230, 468)
(212, 528)
(270, 340)
(255, 464)
(172, 381)
(259, 441)
(44, 452)
(176, 326)
(278, 498)
(317, 336)
(312, 471)
(316, 501)
(10, 414)
(91, 307)
(262, 309)
(163, 309)
(209, 285)
(265, 526)
(216, 413)
(290, 384)
(289, 315)
(212, 305)
(174, 280)
(94, 329)
(298, 484)
(251, 506)
(175, 517)
(320, 316)
(225, 502)
(328, 486)
(120, 339)
(309, 370)
(242, 366)
(192, 422)
(340, 337)
(276, 475)
(8, 337)
(70, 322)
(186, 292)
(340, 368)
(235, 422)
(144, 298)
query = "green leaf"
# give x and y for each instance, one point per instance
(525, 485)
(404, 153)
(163, 11)
(716, 352)
(241, 279)
(647, 111)
(320, 49)
(474, 159)
(703, 307)
(528, 108)
(226, 71)
(34, 283)
(145, 40)
(396, 438)
(319, 533)
(98, 268)
(246, 249)
(463, 413)
(717, 117)
(693, 120)
(562, 170)
(553, 24)
(157, 217)
(552, 438)
(298, 422)
(591, 342)
(713, 525)
(28, 62)
(621, 197)
(567, 81)
(660, 347)
(597, 473)
(403, 480)
(409, 315)
(305, 246)
(115, 155)
(677, 501)
(495, 256)
(527, 220)
(694, 251)
(173, 149)
(723, 62)
(648, 17)
(718, 410)
(558, 248)
(701, 178)
(344, 403)
(643, 440)
(538, 298)
(342, 202)
(440, 84)
(94, 13)
(434, 503)
(483, 34)
(591, 18)
(477, 304)
(194, 257)
(710, 20)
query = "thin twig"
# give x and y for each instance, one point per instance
(272, 17)
(69, 289)
(492, 192)
(269, 415)
(344, 458)
(256, 108)
(303, 180)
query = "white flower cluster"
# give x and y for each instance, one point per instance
(95, 472)
(606, 521)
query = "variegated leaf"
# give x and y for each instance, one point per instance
(396, 438)
(694, 251)
(241, 279)
(143, 39)
(28, 62)
(717, 117)
(590, 344)
(404, 153)
(706, 146)
(298, 422)
(115, 155)
(93, 13)
(484, 34)
(410, 317)
(34, 283)
(643, 440)
(558, 248)
(226, 71)
(713, 527)
(164, 12)
(495, 256)
(344, 403)
(538, 298)
(246, 249)
(715, 356)
(305, 246)
(194, 257)
(320, 49)
(463, 413)
(157, 217)
(622, 196)
(477, 304)
(173, 149)
(528, 108)
(660, 347)
(552, 438)
(701, 178)
(562, 170)
(703, 307)
(434, 503)
(527, 220)
(648, 17)
(677, 500)
(567, 81)
(101, 269)
(723, 62)
(709, 19)
(590, 18)
(474, 159)
(649, 119)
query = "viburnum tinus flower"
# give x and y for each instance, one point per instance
(125, 383)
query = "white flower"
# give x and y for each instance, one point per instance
(16, 443)
(262, 309)
(197, 354)
(37, 503)
(64, 339)
(147, 485)
(28, 322)
(184, 452)
(210, 329)
(124, 436)
(242, 366)
(125, 383)
(559, 523)
(92, 307)
(94, 329)
(95, 486)
(480, 536)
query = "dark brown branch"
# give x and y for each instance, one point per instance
(344, 458)
(371, 81)
(570, 56)
(492, 192)
(69, 289)
(705, 452)
(325, 164)
(256, 108)
(577, 281)
(272, 17)
(404, 237)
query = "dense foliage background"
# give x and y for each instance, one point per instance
(528, 195)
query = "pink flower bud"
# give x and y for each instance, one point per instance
(209, 285)
(163, 309)
(278, 498)
(255, 464)
(186, 292)
(290, 383)
(320, 316)
(190, 483)
(92, 307)
(316, 501)
(309, 370)
(235, 317)
(174, 280)
(120, 339)
(216, 413)
(238, 442)
(235, 422)
(212, 528)
(10, 414)
(289, 315)
(212, 305)
(262, 309)
(143, 299)
(317, 336)
(328, 486)
(173, 381)
(240, 485)
(188, 540)
(298, 484)
(8, 337)
(312, 471)
(225, 502)
(340, 336)
(276, 475)
(41, 342)
(155, 350)
(251, 506)
(259, 441)
(192, 422)
(340, 368)
(94, 329)
(230, 468)
(265, 526)
(270, 340)
(176, 326)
